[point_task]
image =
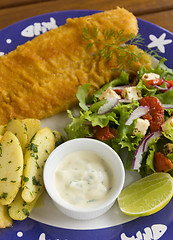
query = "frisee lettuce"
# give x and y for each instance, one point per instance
(125, 143)
(123, 79)
(81, 95)
(165, 73)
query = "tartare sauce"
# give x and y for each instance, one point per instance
(83, 179)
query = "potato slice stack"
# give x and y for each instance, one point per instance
(24, 148)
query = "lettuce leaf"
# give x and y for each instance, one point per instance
(145, 90)
(166, 97)
(170, 156)
(116, 118)
(147, 166)
(156, 145)
(161, 69)
(123, 79)
(125, 138)
(77, 129)
(102, 120)
(125, 143)
(164, 72)
(169, 133)
(81, 95)
(168, 113)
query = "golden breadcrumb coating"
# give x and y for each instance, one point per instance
(41, 77)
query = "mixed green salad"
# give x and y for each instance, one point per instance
(133, 115)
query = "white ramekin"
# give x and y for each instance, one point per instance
(84, 144)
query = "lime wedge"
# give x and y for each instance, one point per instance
(147, 195)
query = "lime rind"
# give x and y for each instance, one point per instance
(146, 196)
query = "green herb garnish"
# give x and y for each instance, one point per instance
(35, 182)
(110, 42)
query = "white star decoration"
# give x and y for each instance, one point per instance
(159, 42)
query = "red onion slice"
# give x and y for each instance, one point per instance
(142, 147)
(161, 88)
(121, 87)
(108, 106)
(167, 106)
(170, 88)
(138, 112)
(124, 100)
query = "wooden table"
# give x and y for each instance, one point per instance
(159, 12)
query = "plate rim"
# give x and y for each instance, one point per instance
(78, 11)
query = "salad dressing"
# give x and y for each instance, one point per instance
(83, 179)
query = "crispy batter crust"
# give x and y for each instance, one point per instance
(40, 78)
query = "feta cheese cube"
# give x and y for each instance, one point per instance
(168, 148)
(141, 126)
(109, 93)
(165, 126)
(131, 93)
(150, 76)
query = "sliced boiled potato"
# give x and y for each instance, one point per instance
(38, 150)
(58, 138)
(57, 135)
(19, 209)
(17, 127)
(2, 129)
(5, 219)
(11, 167)
(32, 125)
(1, 137)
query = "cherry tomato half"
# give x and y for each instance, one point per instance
(162, 163)
(118, 91)
(157, 82)
(169, 83)
(156, 113)
(105, 133)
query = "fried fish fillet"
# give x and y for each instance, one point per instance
(40, 78)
